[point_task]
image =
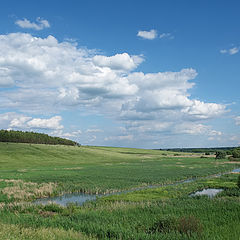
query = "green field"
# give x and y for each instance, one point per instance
(29, 171)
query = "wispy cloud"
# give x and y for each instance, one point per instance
(38, 25)
(230, 51)
(150, 35)
(166, 35)
(119, 138)
(94, 130)
(237, 120)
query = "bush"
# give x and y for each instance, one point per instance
(231, 158)
(164, 225)
(220, 155)
(236, 153)
(189, 225)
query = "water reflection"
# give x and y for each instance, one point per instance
(210, 192)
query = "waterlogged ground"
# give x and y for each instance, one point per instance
(28, 172)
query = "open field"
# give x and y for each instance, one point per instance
(29, 171)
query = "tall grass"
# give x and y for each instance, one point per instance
(161, 213)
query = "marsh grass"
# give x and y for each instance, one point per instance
(27, 172)
(16, 232)
(17, 190)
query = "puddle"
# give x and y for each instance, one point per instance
(210, 192)
(81, 198)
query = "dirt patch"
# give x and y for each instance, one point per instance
(22, 170)
(47, 213)
(185, 156)
(74, 168)
(231, 162)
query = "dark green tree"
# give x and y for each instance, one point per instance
(220, 155)
(33, 137)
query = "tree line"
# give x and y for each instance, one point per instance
(201, 150)
(33, 137)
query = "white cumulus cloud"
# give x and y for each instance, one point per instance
(118, 62)
(20, 121)
(201, 110)
(196, 129)
(51, 123)
(43, 75)
(38, 25)
(150, 35)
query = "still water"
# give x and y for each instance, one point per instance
(64, 200)
(210, 192)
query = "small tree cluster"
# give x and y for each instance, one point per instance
(236, 153)
(220, 155)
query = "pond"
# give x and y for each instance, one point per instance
(210, 192)
(64, 200)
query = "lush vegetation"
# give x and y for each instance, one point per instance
(236, 153)
(29, 171)
(32, 137)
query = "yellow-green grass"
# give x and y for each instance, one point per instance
(161, 213)
(16, 232)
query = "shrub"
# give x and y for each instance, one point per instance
(164, 225)
(220, 155)
(189, 225)
(231, 158)
(236, 153)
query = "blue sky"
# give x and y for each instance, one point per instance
(151, 74)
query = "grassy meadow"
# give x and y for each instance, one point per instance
(30, 171)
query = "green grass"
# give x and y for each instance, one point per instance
(100, 169)
(13, 232)
(160, 213)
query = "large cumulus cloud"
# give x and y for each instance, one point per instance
(43, 75)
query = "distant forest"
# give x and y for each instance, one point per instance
(33, 137)
(200, 150)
